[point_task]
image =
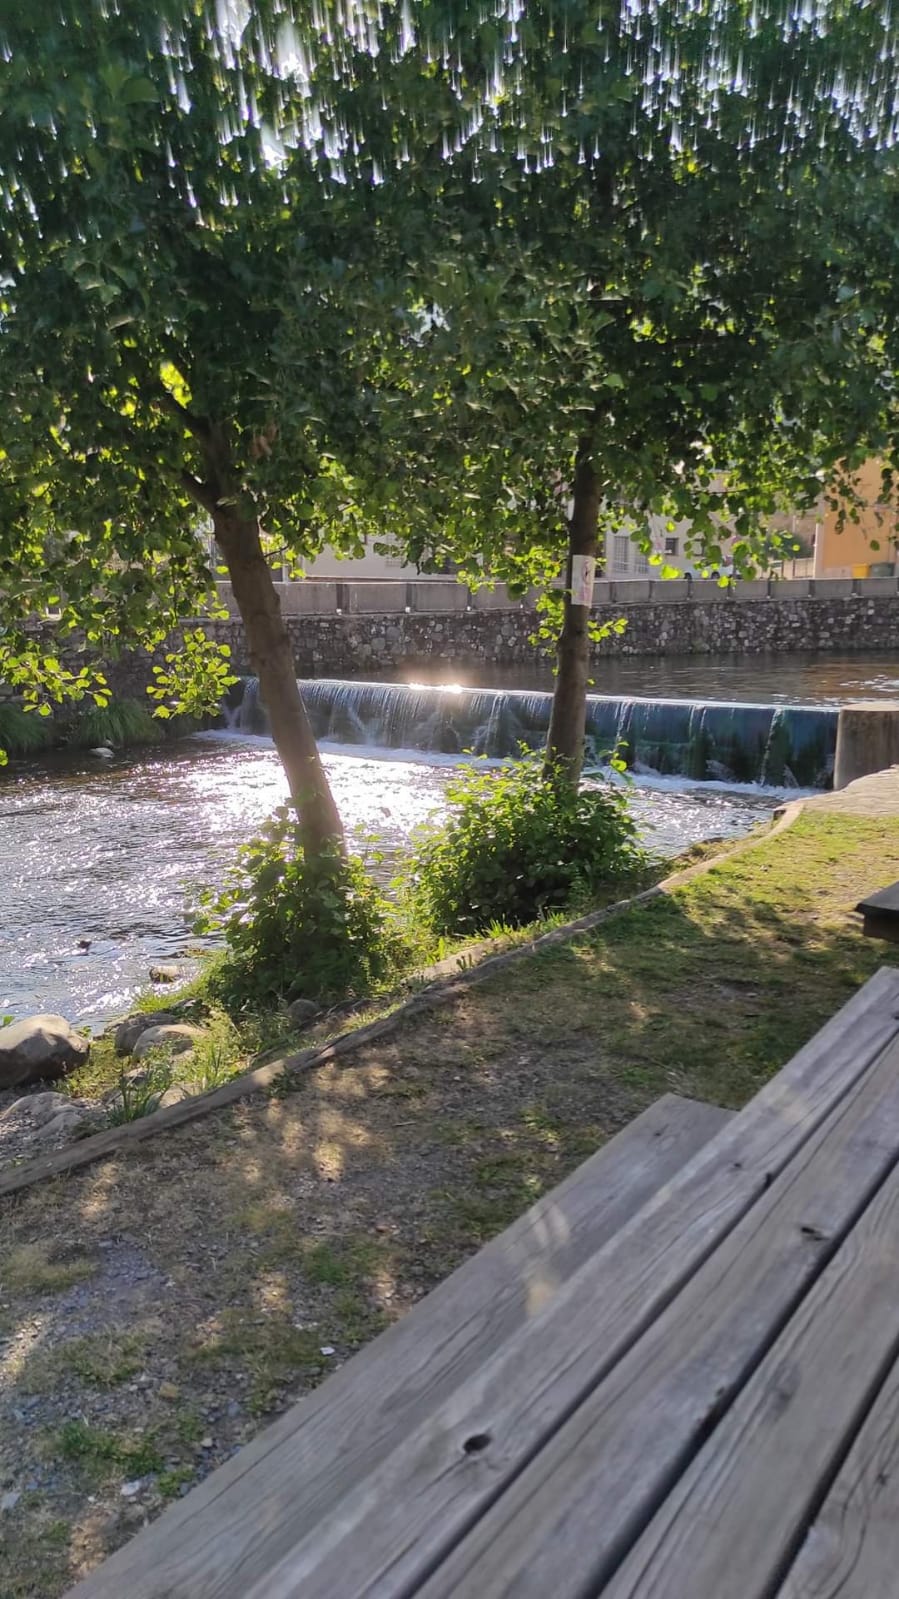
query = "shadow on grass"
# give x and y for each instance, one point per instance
(159, 1308)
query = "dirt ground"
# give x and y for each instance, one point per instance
(157, 1308)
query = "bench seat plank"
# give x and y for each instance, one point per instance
(729, 1528)
(852, 1548)
(214, 1543)
(547, 1477)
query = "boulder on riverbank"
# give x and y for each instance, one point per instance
(40, 1049)
(176, 1037)
(41, 1121)
(164, 974)
(130, 1030)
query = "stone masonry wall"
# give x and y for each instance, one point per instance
(347, 645)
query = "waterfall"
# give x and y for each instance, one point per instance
(781, 745)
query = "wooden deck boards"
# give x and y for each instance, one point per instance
(654, 1385)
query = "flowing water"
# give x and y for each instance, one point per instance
(103, 854)
(773, 745)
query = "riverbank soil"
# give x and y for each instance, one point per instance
(159, 1308)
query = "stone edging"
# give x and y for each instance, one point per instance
(445, 988)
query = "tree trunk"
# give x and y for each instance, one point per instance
(272, 659)
(565, 743)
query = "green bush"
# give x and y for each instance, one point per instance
(515, 847)
(121, 724)
(24, 732)
(297, 928)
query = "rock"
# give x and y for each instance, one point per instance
(176, 1037)
(172, 1096)
(164, 974)
(103, 752)
(129, 1031)
(169, 1391)
(9, 1500)
(41, 1047)
(302, 1011)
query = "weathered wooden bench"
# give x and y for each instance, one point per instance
(250, 1512)
(880, 914)
(675, 1378)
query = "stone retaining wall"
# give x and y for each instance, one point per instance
(354, 644)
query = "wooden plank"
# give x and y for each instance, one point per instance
(852, 1549)
(248, 1512)
(733, 1522)
(886, 900)
(531, 1513)
(886, 928)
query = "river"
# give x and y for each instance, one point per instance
(105, 853)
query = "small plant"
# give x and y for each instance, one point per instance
(140, 1092)
(100, 1453)
(217, 1056)
(120, 724)
(24, 732)
(296, 927)
(515, 848)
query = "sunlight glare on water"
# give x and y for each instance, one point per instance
(108, 852)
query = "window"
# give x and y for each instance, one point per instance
(671, 546)
(621, 546)
(641, 563)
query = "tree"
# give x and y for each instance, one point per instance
(186, 322)
(286, 266)
(654, 276)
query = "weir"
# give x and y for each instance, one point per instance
(713, 740)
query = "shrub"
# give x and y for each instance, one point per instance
(24, 732)
(515, 847)
(121, 724)
(296, 927)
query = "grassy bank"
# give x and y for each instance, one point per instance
(157, 1309)
(125, 724)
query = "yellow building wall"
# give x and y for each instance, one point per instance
(838, 553)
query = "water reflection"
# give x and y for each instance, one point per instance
(800, 679)
(105, 853)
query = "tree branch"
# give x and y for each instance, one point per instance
(201, 492)
(197, 426)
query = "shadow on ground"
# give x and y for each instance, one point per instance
(158, 1308)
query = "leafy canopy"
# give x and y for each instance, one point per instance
(409, 261)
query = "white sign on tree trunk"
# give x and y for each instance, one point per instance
(583, 572)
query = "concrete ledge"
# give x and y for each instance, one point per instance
(670, 590)
(432, 594)
(874, 588)
(307, 599)
(631, 590)
(708, 591)
(832, 588)
(750, 588)
(373, 598)
(495, 599)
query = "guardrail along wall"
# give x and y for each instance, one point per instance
(440, 596)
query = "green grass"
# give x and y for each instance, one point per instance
(270, 1349)
(123, 724)
(24, 733)
(103, 1360)
(42, 1267)
(99, 1453)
